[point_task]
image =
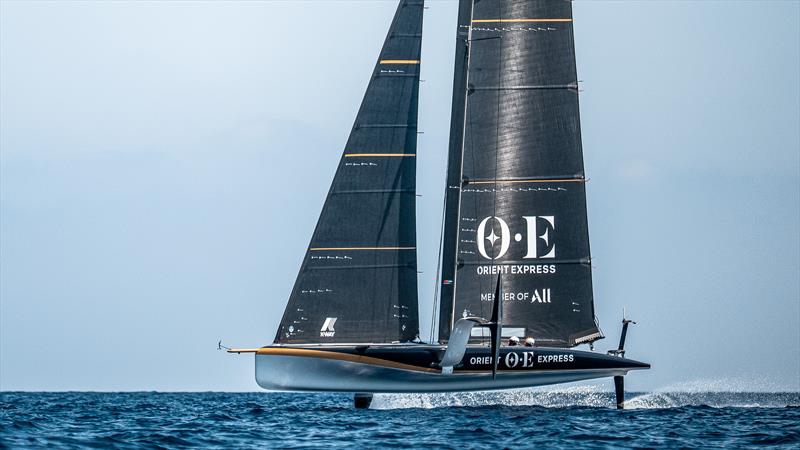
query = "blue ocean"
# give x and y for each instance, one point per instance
(570, 417)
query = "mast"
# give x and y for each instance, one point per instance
(454, 168)
(358, 280)
(516, 202)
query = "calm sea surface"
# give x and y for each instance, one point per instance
(573, 417)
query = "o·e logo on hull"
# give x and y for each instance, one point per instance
(513, 360)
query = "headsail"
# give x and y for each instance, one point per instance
(358, 281)
(516, 203)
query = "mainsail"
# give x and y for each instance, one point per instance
(515, 202)
(358, 281)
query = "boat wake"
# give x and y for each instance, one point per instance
(720, 393)
(588, 396)
(716, 393)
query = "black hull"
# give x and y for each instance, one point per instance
(414, 368)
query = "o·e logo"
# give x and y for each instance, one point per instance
(539, 229)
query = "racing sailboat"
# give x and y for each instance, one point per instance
(515, 261)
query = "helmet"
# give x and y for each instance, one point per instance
(529, 342)
(513, 340)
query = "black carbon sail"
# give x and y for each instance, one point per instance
(515, 202)
(358, 281)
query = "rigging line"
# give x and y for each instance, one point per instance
(386, 331)
(416, 88)
(461, 170)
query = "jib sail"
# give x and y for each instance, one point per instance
(515, 202)
(358, 281)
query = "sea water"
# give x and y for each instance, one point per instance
(566, 417)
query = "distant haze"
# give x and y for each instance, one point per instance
(162, 166)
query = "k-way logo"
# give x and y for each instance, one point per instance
(538, 232)
(327, 327)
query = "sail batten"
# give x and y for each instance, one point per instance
(544, 179)
(360, 269)
(398, 61)
(378, 155)
(522, 20)
(516, 200)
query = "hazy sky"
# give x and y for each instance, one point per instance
(162, 166)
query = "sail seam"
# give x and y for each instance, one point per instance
(530, 180)
(570, 86)
(397, 75)
(375, 191)
(399, 61)
(378, 155)
(520, 20)
(325, 249)
(582, 261)
(375, 266)
(386, 125)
